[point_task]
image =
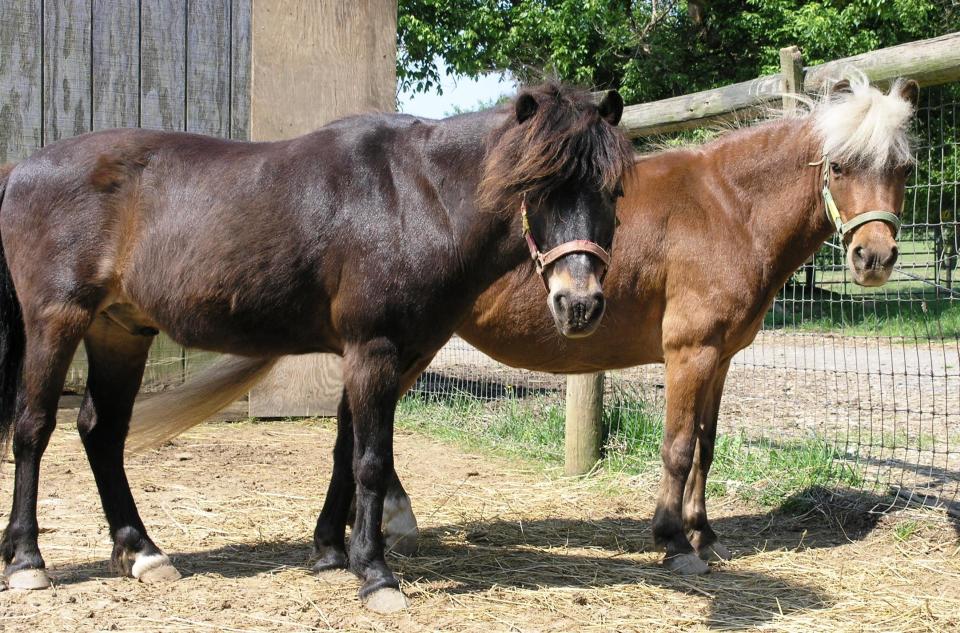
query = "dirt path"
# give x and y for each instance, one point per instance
(505, 547)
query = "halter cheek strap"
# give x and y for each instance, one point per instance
(542, 260)
(833, 213)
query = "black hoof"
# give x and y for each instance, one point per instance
(329, 559)
(374, 585)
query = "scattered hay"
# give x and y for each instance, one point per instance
(505, 546)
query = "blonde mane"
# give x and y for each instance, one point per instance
(864, 126)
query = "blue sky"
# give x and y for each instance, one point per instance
(457, 91)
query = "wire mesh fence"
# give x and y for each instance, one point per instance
(843, 387)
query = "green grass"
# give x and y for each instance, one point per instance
(904, 530)
(764, 472)
(905, 317)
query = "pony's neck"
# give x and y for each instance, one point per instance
(488, 241)
(777, 192)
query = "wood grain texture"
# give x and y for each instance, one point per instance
(312, 62)
(66, 68)
(240, 69)
(931, 62)
(315, 61)
(116, 64)
(583, 432)
(208, 67)
(299, 386)
(163, 58)
(21, 104)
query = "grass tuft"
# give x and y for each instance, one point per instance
(768, 473)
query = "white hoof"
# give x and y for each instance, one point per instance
(28, 579)
(686, 565)
(386, 601)
(399, 525)
(154, 568)
(715, 553)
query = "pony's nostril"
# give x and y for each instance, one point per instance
(858, 253)
(561, 303)
(892, 257)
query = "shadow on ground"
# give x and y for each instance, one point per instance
(474, 557)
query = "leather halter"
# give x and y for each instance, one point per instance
(833, 213)
(543, 260)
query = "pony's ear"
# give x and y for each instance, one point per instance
(525, 107)
(910, 91)
(611, 107)
(841, 87)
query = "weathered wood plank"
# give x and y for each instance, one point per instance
(299, 386)
(21, 110)
(163, 58)
(66, 68)
(116, 64)
(240, 69)
(208, 67)
(698, 108)
(320, 61)
(930, 62)
(791, 72)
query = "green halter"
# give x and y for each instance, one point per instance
(833, 213)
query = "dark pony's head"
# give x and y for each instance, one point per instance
(559, 160)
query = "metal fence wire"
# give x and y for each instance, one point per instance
(859, 385)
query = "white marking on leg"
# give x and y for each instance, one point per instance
(154, 568)
(400, 525)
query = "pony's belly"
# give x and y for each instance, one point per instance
(231, 328)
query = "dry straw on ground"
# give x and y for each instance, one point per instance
(505, 546)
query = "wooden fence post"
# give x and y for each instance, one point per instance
(584, 426)
(313, 61)
(791, 71)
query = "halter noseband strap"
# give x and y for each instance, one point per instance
(833, 213)
(543, 260)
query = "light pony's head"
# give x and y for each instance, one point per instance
(867, 154)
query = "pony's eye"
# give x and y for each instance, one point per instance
(836, 169)
(618, 191)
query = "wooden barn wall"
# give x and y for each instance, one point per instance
(73, 66)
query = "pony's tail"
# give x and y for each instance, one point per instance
(12, 338)
(170, 413)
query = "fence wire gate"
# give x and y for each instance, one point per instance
(859, 388)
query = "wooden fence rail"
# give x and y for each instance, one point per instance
(930, 62)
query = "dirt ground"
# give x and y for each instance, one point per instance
(506, 546)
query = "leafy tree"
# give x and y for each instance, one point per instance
(648, 49)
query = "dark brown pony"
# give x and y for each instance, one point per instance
(708, 237)
(370, 238)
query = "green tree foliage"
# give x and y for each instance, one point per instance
(648, 49)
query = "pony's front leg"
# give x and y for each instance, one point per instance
(689, 378)
(699, 531)
(372, 379)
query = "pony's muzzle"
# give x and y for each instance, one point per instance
(576, 299)
(871, 260)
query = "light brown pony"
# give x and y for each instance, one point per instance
(708, 236)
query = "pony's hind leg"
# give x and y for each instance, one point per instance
(699, 531)
(689, 378)
(116, 361)
(52, 336)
